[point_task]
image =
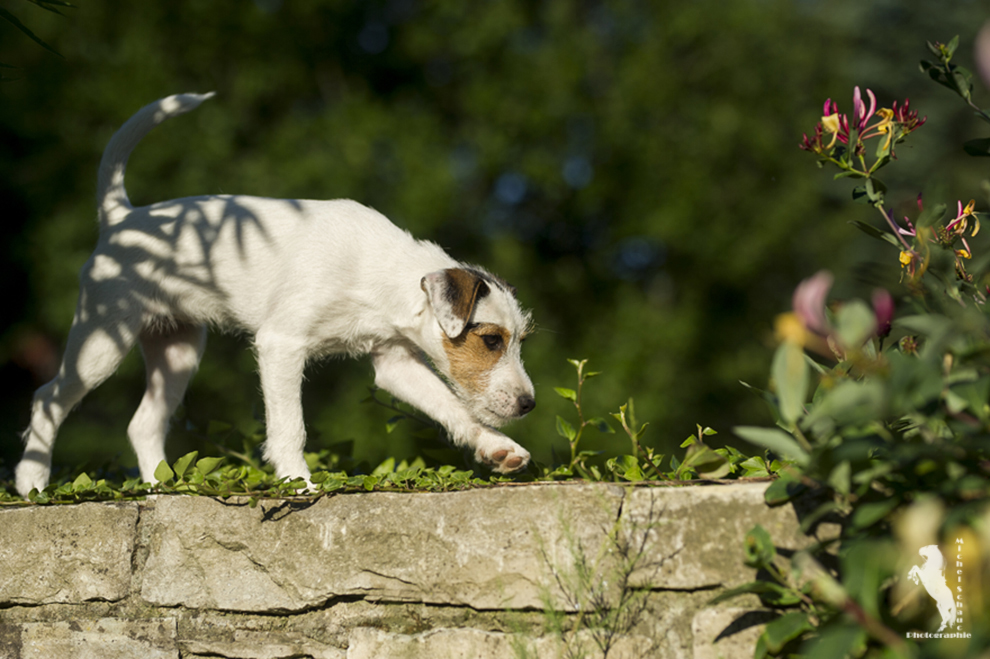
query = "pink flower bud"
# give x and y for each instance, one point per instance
(809, 301)
(883, 308)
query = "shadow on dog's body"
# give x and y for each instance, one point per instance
(306, 279)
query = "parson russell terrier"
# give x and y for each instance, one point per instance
(307, 279)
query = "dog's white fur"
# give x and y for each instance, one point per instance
(307, 279)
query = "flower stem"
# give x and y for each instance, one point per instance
(893, 227)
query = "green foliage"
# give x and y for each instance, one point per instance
(898, 415)
(642, 463)
(213, 477)
(240, 471)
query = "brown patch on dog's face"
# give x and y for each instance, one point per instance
(474, 353)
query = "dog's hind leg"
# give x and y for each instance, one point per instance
(93, 351)
(171, 357)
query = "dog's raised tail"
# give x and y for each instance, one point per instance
(112, 196)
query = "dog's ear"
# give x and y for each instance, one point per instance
(452, 294)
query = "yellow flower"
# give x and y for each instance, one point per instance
(885, 125)
(906, 258)
(961, 221)
(964, 254)
(788, 327)
(969, 211)
(831, 125)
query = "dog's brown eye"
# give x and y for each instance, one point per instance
(492, 341)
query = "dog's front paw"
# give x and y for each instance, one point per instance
(31, 475)
(500, 453)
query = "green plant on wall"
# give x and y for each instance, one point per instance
(594, 597)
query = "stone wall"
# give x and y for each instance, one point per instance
(474, 574)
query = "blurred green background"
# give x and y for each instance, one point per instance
(631, 166)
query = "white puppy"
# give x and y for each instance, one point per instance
(307, 279)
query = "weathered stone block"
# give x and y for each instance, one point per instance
(730, 632)
(245, 644)
(694, 535)
(66, 554)
(108, 638)
(478, 644)
(486, 549)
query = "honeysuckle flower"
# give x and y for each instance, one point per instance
(860, 113)
(832, 122)
(808, 301)
(961, 222)
(906, 119)
(894, 122)
(910, 231)
(808, 326)
(885, 126)
(814, 144)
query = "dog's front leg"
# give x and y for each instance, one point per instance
(281, 360)
(405, 376)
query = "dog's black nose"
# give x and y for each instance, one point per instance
(526, 405)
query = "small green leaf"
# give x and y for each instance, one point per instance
(979, 148)
(393, 422)
(950, 47)
(601, 425)
(963, 80)
(785, 629)
(783, 490)
(841, 640)
(868, 514)
(758, 548)
(790, 374)
(855, 323)
(565, 429)
(164, 473)
(207, 466)
(706, 462)
(569, 394)
(875, 189)
(82, 482)
(181, 465)
(874, 232)
(840, 477)
(386, 467)
(776, 440)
